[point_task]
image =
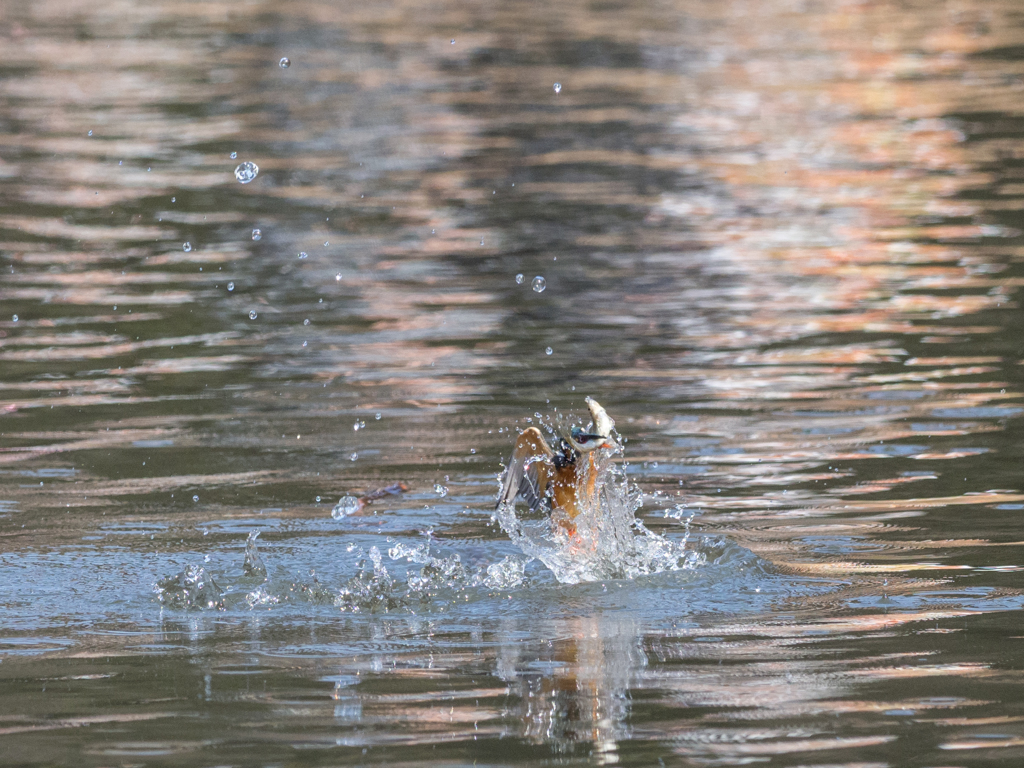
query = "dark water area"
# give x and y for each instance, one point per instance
(781, 242)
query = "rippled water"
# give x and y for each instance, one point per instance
(782, 242)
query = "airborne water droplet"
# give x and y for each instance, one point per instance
(231, 286)
(440, 490)
(246, 172)
(195, 498)
(284, 63)
(233, 155)
(539, 284)
(337, 277)
(256, 234)
(186, 247)
(252, 314)
(15, 319)
(347, 505)
(558, 87)
(548, 351)
(306, 321)
(303, 255)
(520, 278)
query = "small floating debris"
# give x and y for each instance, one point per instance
(388, 490)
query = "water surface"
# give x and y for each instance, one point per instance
(783, 244)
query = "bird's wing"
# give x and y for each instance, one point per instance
(529, 471)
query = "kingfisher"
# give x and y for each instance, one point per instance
(553, 478)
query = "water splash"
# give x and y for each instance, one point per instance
(604, 540)
(192, 589)
(372, 589)
(253, 565)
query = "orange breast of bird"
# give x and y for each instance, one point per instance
(563, 490)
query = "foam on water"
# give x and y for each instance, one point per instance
(608, 542)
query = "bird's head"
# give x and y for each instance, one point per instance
(584, 442)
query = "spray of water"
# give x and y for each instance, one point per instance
(605, 540)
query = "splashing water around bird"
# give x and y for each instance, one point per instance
(596, 535)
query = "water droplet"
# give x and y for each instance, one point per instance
(231, 286)
(252, 314)
(558, 87)
(90, 133)
(440, 490)
(174, 199)
(284, 63)
(14, 318)
(195, 498)
(246, 172)
(520, 278)
(453, 41)
(548, 351)
(358, 425)
(348, 505)
(306, 321)
(303, 255)
(539, 284)
(233, 155)
(326, 243)
(304, 343)
(256, 234)
(376, 415)
(338, 277)
(317, 499)
(186, 247)
(353, 457)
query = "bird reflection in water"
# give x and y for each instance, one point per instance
(574, 690)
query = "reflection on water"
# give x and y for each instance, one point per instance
(782, 244)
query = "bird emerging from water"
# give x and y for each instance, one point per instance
(557, 479)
